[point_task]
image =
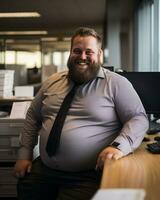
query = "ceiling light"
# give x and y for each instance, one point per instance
(50, 39)
(23, 32)
(19, 14)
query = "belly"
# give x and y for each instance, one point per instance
(79, 149)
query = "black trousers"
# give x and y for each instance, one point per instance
(45, 183)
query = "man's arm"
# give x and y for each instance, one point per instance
(132, 115)
(133, 118)
(29, 137)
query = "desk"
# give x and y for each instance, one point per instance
(138, 170)
(9, 144)
(6, 103)
(14, 99)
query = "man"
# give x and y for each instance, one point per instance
(106, 120)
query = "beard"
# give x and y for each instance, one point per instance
(82, 76)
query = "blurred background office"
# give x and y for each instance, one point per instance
(36, 42)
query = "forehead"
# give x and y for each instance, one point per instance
(89, 42)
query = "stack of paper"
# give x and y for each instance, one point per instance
(6, 83)
(119, 194)
(19, 109)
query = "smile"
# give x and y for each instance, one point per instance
(82, 65)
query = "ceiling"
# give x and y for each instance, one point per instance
(61, 17)
(58, 17)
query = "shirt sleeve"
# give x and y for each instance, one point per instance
(29, 135)
(131, 114)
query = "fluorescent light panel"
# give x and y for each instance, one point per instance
(19, 14)
(23, 32)
(49, 39)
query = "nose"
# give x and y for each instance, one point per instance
(83, 55)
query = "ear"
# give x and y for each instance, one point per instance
(101, 55)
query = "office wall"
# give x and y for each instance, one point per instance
(119, 33)
(119, 44)
(114, 43)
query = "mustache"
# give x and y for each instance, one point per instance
(79, 61)
(76, 61)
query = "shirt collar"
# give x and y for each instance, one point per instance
(101, 73)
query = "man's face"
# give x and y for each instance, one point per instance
(84, 59)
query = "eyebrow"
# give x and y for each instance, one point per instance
(78, 48)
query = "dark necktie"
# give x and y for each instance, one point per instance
(55, 134)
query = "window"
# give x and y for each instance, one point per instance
(10, 57)
(23, 52)
(57, 58)
(145, 37)
(29, 59)
(60, 59)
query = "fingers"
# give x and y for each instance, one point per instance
(100, 162)
(20, 174)
(108, 154)
(22, 167)
(117, 156)
(29, 169)
(102, 158)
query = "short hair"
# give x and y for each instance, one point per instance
(85, 31)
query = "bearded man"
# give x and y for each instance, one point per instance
(105, 119)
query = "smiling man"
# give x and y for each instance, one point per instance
(105, 120)
(84, 60)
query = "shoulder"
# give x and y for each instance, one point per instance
(55, 78)
(114, 78)
(117, 84)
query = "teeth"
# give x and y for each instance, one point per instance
(82, 63)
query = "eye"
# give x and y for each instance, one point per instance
(89, 52)
(77, 51)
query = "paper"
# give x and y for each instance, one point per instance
(24, 91)
(19, 109)
(119, 194)
(6, 83)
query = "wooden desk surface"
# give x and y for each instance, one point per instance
(138, 170)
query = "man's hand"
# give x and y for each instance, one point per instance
(108, 154)
(22, 167)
